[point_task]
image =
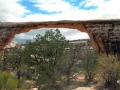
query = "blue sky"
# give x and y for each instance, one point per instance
(53, 10)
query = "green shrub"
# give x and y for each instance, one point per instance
(109, 69)
(11, 83)
(1, 81)
(8, 82)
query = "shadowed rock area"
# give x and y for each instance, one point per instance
(104, 34)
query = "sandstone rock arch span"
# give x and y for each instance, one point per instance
(104, 34)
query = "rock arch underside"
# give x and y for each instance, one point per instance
(104, 34)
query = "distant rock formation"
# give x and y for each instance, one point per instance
(104, 34)
(78, 41)
(12, 44)
(9, 47)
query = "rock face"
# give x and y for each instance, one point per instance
(9, 47)
(12, 44)
(104, 34)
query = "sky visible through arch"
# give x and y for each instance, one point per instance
(53, 10)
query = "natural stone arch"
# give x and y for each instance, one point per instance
(104, 34)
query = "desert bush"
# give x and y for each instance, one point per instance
(11, 83)
(72, 62)
(89, 63)
(109, 69)
(7, 81)
(47, 55)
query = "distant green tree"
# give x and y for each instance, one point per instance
(74, 57)
(15, 60)
(1, 61)
(46, 56)
(89, 63)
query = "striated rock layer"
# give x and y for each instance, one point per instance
(104, 34)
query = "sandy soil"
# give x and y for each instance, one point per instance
(80, 84)
(84, 88)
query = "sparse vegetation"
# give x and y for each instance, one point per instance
(52, 63)
(89, 63)
(9, 82)
(109, 69)
(47, 55)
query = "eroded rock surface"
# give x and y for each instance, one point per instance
(104, 34)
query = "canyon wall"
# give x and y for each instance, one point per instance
(104, 34)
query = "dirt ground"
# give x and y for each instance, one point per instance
(78, 83)
(84, 88)
(93, 86)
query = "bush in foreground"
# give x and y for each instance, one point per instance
(109, 69)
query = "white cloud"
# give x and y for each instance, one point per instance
(11, 9)
(73, 34)
(24, 36)
(106, 9)
(68, 15)
(89, 3)
(77, 36)
(52, 5)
